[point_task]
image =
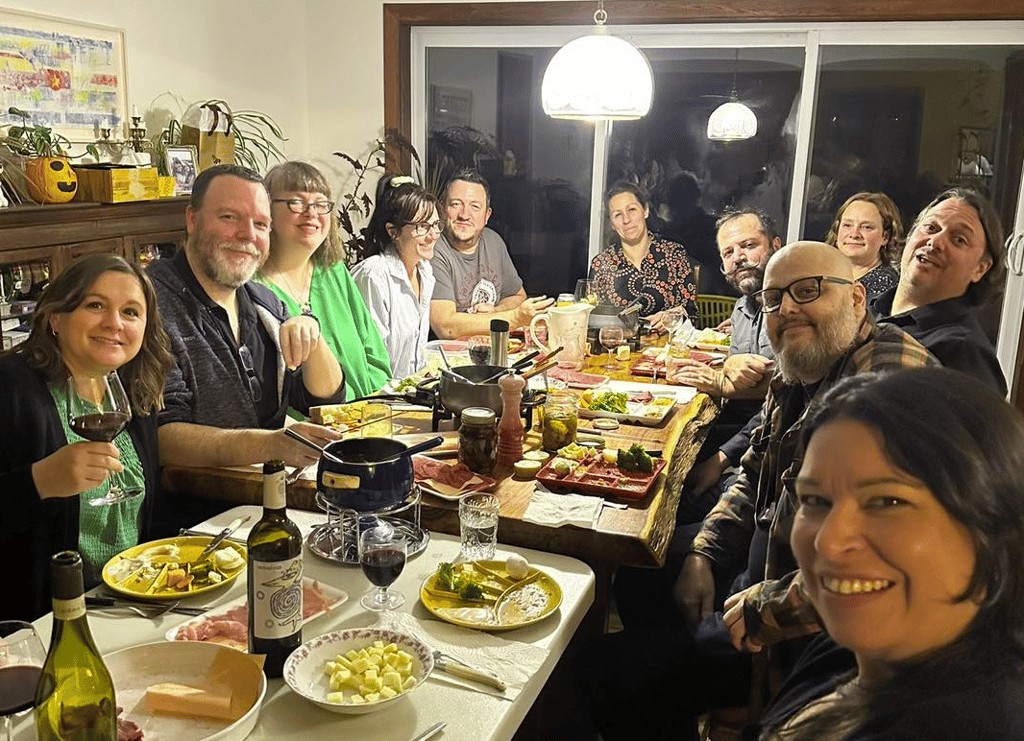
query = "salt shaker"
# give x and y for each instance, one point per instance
(510, 428)
(499, 343)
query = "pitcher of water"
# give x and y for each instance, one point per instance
(567, 328)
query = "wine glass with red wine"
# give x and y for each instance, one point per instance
(382, 551)
(98, 410)
(21, 662)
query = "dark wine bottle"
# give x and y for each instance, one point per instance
(274, 577)
(75, 695)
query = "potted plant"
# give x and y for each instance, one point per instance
(42, 156)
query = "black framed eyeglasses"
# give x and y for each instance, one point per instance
(802, 291)
(299, 206)
(422, 228)
(250, 372)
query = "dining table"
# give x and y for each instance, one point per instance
(627, 532)
(471, 712)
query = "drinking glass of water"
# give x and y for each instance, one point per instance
(478, 525)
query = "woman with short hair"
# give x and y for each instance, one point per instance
(868, 229)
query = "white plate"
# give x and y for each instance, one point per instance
(643, 413)
(137, 668)
(334, 597)
(304, 669)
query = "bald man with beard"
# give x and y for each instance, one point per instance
(819, 328)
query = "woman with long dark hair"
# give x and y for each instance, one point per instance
(909, 534)
(396, 279)
(97, 316)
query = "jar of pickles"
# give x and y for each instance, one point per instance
(478, 439)
(560, 420)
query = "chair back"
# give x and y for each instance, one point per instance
(712, 310)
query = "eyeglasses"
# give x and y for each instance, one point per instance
(422, 228)
(299, 206)
(802, 291)
(250, 371)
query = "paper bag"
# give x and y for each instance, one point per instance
(209, 127)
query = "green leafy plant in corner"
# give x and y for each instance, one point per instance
(27, 141)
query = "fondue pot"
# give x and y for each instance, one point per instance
(364, 474)
(455, 394)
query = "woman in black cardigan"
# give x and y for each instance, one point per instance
(99, 315)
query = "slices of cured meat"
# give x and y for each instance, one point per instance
(455, 476)
(576, 378)
(127, 730)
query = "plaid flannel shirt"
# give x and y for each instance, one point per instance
(777, 609)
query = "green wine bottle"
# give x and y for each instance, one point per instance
(274, 586)
(75, 695)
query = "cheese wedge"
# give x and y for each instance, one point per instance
(179, 699)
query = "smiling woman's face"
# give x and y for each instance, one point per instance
(881, 560)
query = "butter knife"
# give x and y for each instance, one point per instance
(459, 668)
(222, 536)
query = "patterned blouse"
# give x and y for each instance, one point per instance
(879, 279)
(664, 280)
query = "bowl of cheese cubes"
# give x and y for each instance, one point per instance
(358, 670)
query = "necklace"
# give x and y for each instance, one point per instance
(304, 306)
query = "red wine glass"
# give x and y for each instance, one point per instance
(382, 552)
(98, 410)
(21, 662)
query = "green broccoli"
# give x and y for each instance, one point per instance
(626, 460)
(446, 576)
(644, 462)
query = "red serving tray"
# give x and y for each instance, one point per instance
(606, 485)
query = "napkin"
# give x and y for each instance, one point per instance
(515, 662)
(555, 510)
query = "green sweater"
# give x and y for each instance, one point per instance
(347, 327)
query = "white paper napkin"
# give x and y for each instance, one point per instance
(555, 510)
(513, 661)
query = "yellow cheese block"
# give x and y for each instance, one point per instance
(179, 699)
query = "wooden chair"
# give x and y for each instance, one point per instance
(713, 310)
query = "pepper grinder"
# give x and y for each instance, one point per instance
(499, 343)
(510, 428)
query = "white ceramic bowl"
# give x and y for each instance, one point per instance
(304, 669)
(139, 667)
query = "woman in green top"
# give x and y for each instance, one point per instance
(306, 270)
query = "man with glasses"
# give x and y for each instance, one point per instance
(476, 280)
(240, 360)
(818, 326)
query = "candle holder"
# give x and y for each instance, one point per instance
(137, 133)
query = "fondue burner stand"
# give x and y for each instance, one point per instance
(440, 414)
(338, 539)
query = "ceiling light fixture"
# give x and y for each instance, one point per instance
(598, 77)
(732, 121)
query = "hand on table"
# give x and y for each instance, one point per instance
(704, 475)
(737, 625)
(298, 335)
(694, 590)
(725, 326)
(297, 454)
(746, 375)
(527, 310)
(75, 468)
(699, 375)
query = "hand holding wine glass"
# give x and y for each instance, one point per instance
(610, 338)
(98, 410)
(21, 662)
(382, 553)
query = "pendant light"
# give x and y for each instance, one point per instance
(597, 77)
(732, 121)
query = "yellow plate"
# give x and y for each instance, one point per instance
(123, 576)
(542, 599)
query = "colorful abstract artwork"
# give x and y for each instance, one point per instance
(67, 75)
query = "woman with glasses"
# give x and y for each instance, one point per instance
(396, 278)
(306, 270)
(869, 231)
(99, 315)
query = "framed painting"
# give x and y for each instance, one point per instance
(67, 75)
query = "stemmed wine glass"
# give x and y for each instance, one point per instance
(586, 291)
(382, 552)
(98, 410)
(21, 662)
(610, 338)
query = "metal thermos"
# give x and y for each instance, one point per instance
(499, 343)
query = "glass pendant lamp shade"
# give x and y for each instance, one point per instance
(597, 77)
(732, 121)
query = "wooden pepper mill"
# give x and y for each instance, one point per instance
(510, 428)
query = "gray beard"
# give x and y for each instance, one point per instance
(809, 364)
(218, 272)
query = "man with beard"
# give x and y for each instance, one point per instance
(240, 360)
(951, 261)
(818, 325)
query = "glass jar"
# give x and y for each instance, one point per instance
(560, 420)
(478, 439)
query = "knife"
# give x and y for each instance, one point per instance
(459, 668)
(102, 601)
(221, 536)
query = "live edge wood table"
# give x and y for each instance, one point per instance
(636, 536)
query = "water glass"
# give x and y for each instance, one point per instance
(678, 351)
(478, 526)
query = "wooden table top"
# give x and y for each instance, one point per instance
(637, 535)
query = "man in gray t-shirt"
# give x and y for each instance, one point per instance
(476, 280)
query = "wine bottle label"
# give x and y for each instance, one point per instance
(277, 598)
(69, 609)
(275, 495)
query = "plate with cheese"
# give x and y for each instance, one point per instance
(167, 568)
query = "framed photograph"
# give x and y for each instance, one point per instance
(65, 74)
(182, 166)
(450, 107)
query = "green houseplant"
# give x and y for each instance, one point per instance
(38, 167)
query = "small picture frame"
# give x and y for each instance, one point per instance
(182, 165)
